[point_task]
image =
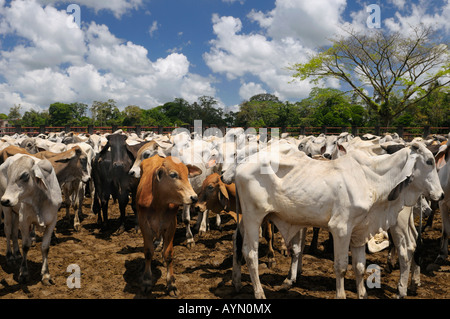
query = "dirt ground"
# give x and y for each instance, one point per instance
(112, 264)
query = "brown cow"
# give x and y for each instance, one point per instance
(217, 197)
(163, 187)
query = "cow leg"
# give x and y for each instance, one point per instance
(167, 253)
(268, 235)
(11, 224)
(45, 247)
(237, 256)
(104, 206)
(443, 253)
(314, 241)
(341, 246)
(123, 202)
(250, 253)
(26, 244)
(415, 278)
(359, 267)
(296, 246)
(186, 214)
(147, 280)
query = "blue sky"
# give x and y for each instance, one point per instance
(148, 52)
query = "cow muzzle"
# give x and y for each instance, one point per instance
(6, 202)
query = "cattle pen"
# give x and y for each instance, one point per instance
(95, 263)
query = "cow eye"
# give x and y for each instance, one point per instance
(429, 162)
(173, 175)
(210, 187)
(25, 177)
(146, 155)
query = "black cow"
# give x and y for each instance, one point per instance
(110, 175)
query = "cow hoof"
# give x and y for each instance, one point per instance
(271, 262)
(47, 280)
(172, 291)
(190, 243)
(23, 278)
(286, 285)
(147, 287)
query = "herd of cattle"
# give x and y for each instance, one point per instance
(357, 188)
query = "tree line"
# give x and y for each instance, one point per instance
(393, 79)
(323, 107)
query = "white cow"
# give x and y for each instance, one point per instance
(443, 166)
(355, 197)
(29, 188)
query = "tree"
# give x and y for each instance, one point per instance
(33, 118)
(14, 114)
(332, 107)
(105, 113)
(389, 64)
(132, 115)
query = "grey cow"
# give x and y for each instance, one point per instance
(30, 195)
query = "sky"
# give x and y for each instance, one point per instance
(149, 52)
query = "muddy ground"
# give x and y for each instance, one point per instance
(111, 266)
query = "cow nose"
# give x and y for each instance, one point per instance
(131, 173)
(327, 155)
(5, 202)
(442, 196)
(194, 199)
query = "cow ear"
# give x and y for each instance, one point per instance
(159, 174)
(395, 193)
(193, 170)
(223, 190)
(341, 149)
(323, 149)
(442, 156)
(39, 178)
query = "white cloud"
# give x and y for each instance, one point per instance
(248, 90)
(53, 61)
(153, 28)
(117, 7)
(236, 55)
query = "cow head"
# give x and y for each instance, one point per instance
(72, 164)
(419, 176)
(213, 195)
(148, 150)
(25, 175)
(171, 180)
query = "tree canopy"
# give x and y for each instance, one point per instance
(390, 71)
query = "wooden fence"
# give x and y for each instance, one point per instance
(405, 132)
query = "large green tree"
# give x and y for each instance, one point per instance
(379, 65)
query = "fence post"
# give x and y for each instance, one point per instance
(303, 130)
(41, 129)
(426, 131)
(400, 131)
(324, 129)
(18, 128)
(354, 130)
(377, 130)
(138, 130)
(90, 129)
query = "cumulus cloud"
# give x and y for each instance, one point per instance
(236, 54)
(53, 60)
(117, 7)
